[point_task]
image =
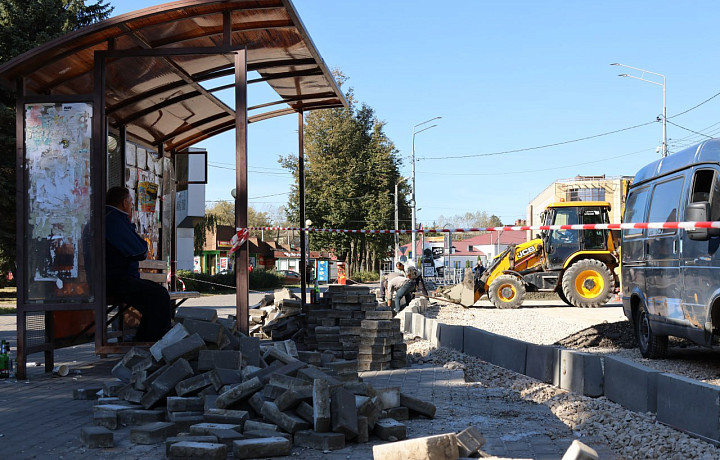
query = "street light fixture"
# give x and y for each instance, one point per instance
(664, 112)
(414, 203)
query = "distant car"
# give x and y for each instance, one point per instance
(290, 277)
(225, 272)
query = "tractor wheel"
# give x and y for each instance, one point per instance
(560, 294)
(506, 291)
(588, 283)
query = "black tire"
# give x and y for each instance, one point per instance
(562, 297)
(651, 346)
(588, 283)
(507, 291)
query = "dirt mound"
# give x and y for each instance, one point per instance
(605, 335)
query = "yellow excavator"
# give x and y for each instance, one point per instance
(580, 265)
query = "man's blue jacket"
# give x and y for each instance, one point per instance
(124, 247)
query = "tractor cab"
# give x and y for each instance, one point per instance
(561, 245)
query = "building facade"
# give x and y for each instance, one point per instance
(582, 188)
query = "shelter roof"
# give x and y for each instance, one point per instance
(173, 99)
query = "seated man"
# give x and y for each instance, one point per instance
(124, 248)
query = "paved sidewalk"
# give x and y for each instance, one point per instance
(40, 420)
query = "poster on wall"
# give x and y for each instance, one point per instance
(57, 158)
(147, 196)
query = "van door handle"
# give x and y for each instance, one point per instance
(675, 246)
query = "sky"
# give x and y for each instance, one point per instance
(516, 84)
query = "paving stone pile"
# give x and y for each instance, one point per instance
(207, 390)
(350, 324)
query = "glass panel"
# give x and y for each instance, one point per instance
(594, 239)
(664, 205)
(59, 231)
(585, 194)
(565, 216)
(635, 210)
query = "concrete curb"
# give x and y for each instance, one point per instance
(634, 386)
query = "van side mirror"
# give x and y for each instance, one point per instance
(698, 212)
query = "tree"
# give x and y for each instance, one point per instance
(224, 213)
(475, 219)
(24, 25)
(351, 168)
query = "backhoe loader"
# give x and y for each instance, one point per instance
(580, 265)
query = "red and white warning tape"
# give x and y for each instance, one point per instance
(242, 233)
(511, 228)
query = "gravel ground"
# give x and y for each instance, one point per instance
(631, 435)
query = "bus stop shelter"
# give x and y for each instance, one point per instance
(143, 86)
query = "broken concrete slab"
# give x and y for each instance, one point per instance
(439, 447)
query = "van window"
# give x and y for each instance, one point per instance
(664, 205)
(706, 188)
(635, 210)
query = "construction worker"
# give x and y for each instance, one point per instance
(399, 286)
(399, 271)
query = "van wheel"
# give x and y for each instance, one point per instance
(651, 346)
(506, 291)
(588, 283)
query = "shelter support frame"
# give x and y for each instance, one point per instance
(97, 303)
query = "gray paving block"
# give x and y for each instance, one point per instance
(430, 331)
(223, 359)
(262, 447)
(192, 450)
(630, 384)
(319, 441)
(196, 313)
(97, 436)
(509, 353)
(478, 343)
(192, 438)
(187, 348)
(344, 412)
(541, 362)
(195, 384)
(179, 404)
(581, 373)
(210, 332)
(418, 325)
(152, 433)
(176, 334)
(238, 393)
(451, 336)
(689, 405)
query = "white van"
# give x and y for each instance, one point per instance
(671, 277)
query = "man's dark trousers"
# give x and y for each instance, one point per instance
(150, 299)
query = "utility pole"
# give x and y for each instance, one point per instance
(397, 223)
(413, 202)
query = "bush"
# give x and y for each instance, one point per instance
(225, 283)
(365, 277)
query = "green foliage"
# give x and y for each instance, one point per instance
(224, 213)
(365, 276)
(351, 168)
(25, 24)
(225, 284)
(207, 224)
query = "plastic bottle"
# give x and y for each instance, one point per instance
(4, 361)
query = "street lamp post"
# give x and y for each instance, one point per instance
(414, 203)
(397, 222)
(664, 112)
